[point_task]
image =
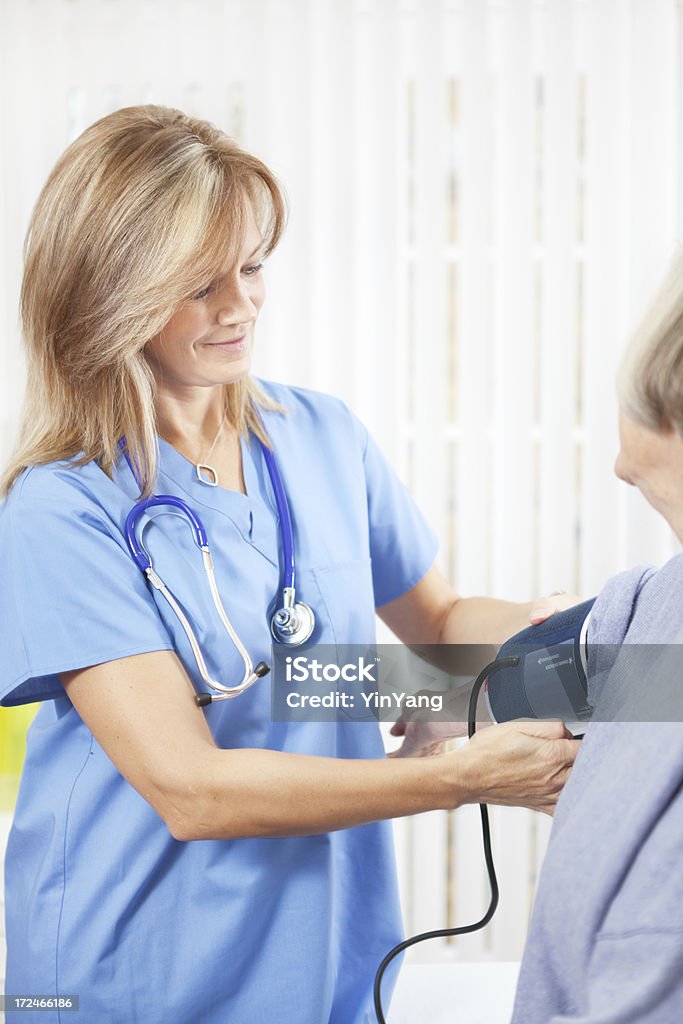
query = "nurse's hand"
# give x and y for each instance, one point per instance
(522, 764)
(544, 607)
(425, 737)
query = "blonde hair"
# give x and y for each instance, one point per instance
(650, 380)
(143, 209)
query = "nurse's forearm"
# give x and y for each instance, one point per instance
(458, 634)
(484, 620)
(471, 633)
(267, 793)
(238, 793)
(141, 713)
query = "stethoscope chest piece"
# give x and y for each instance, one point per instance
(294, 623)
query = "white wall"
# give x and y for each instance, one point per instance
(483, 195)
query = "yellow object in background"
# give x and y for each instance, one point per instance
(13, 725)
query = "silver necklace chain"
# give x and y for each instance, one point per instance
(203, 468)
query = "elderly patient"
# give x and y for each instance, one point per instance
(606, 938)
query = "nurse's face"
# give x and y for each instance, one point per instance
(208, 341)
(652, 461)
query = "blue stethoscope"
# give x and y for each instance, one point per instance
(291, 624)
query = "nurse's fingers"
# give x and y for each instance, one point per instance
(524, 763)
(544, 607)
(428, 739)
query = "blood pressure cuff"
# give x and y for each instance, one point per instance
(549, 678)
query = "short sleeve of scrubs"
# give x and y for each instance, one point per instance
(402, 544)
(71, 595)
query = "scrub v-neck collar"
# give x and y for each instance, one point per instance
(254, 514)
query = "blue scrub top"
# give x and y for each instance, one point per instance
(101, 901)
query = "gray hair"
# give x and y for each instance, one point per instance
(650, 380)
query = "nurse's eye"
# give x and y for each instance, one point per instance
(202, 294)
(252, 270)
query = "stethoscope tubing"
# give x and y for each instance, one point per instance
(200, 536)
(138, 552)
(286, 529)
(292, 624)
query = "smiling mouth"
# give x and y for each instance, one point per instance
(228, 341)
(239, 344)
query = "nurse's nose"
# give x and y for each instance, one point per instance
(236, 304)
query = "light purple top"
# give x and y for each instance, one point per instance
(606, 938)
